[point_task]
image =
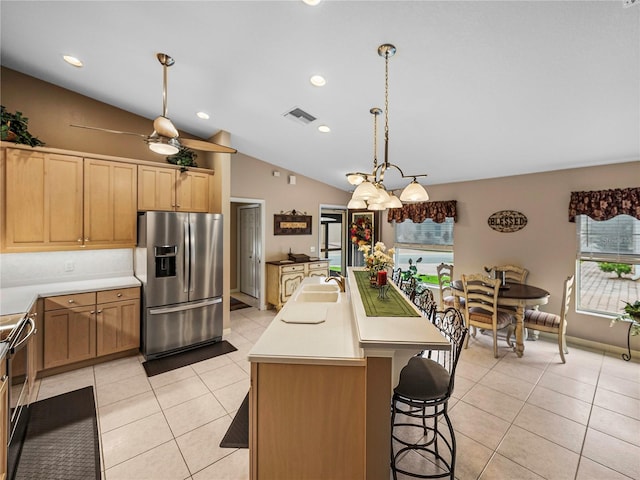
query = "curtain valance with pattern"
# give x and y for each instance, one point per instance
(605, 204)
(419, 212)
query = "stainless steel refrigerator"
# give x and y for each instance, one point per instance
(179, 262)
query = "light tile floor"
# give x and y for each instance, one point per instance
(515, 418)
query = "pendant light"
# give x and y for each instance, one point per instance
(370, 188)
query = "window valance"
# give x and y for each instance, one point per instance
(605, 204)
(419, 212)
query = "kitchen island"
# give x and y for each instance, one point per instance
(321, 380)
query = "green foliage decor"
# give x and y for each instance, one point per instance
(631, 314)
(619, 268)
(13, 128)
(184, 158)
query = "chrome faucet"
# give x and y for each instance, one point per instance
(339, 280)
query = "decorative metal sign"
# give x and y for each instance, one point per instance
(507, 221)
(292, 223)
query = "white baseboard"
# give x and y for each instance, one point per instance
(596, 345)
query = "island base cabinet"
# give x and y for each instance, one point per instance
(307, 421)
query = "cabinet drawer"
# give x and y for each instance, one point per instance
(107, 296)
(318, 266)
(67, 301)
(293, 268)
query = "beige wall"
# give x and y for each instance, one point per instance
(253, 179)
(546, 246)
(52, 109)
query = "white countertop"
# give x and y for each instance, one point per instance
(397, 333)
(346, 337)
(20, 299)
(332, 342)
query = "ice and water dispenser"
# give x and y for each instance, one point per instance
(165, 259)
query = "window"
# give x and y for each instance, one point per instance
(431, 241)
(608, 264)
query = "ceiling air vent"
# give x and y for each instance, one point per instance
(300, 116)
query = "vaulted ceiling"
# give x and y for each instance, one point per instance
(477, 89)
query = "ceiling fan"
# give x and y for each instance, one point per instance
(164, 139)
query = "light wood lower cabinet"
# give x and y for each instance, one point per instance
(283, 279)
(4, 419)
(84, 326)
(118, 322)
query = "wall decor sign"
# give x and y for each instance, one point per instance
(507, 221)
(292, 223)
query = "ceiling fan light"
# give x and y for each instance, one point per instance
(356, 204)
(355, 178)
(414, 192)
(365, 191)
(164, 146)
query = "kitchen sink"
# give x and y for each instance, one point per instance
(321, 288)
(324, 297)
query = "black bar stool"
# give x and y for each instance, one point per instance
(422, 395)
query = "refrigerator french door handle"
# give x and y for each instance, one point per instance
(184, 306)
(187, 258)
(192, 255)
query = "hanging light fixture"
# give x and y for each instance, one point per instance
(370, 187)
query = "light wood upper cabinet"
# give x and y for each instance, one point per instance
(171, 190)
(156, 188)
(43, 201)
(192, 192)
(60, 202)
(109, 203)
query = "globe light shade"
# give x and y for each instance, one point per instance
(383, 196)
(356, 204)
(393, 202)
(355, 178)
(365, 191)
(414, 192)
(375, 206)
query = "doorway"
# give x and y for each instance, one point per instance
(333, 235)
(247, 278)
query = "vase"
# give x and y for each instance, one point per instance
(373, 279)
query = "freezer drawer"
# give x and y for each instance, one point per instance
(171, 328)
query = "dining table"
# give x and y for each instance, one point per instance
(513, 295)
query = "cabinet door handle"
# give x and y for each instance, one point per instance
(119, 295)
(72, 301)
(79, 240)
(86, 239)
(92, 312)
(99, 311)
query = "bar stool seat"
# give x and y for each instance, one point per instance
(422, 397)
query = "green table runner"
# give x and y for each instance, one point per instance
(395, 305)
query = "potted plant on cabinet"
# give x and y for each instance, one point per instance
(13, 128)
(184, 158)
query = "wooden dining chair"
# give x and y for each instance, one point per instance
(445, 276)
(550, 322)
(512, 273)
(481, 306)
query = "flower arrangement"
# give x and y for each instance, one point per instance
(379, 259)
(361, 231)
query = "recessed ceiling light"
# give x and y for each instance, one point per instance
(317, 80)
(324, 129)
(312, 3)
(72, 61)
(203, 115)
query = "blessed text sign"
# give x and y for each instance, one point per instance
(507, 221)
